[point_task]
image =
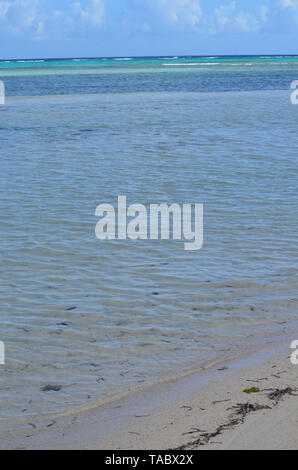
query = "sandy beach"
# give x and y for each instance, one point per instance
(225, 412)
(148, 187)
(207, 410)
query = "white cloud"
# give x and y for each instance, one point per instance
(224, 14)
(186, 12)
(229, 18)
(41, 19)
(90, 15)
(3, 9)
(289, 7)
(189, 15)
(150, 15)
(264, 13)
(19, 16)
(281, 17)
(247, 22)
(293, 4)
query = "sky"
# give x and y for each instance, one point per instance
(122, 28)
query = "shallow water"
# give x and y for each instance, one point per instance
(98, 317)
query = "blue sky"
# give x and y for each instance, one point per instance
(85, 28)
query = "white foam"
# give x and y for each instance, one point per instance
(186, 64)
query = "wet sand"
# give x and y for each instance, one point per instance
(207, 410)
(221, 416)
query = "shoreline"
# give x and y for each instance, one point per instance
(220, 415)
(163, 416)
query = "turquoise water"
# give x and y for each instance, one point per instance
(100, 317)
(123, 75)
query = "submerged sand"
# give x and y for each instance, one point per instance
(208, 410)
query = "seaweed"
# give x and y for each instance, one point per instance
(245, 409)
(51, 388)
(241, 411)
(252, 390)
(277, 395)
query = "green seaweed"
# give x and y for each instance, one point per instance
(252, 390)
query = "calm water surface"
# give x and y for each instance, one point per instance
(98, 317)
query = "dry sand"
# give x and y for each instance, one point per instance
(186, 422)
(180, 414)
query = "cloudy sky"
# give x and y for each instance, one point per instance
(86, 28)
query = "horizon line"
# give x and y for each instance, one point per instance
(145, 57)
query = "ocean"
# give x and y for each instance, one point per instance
(96, 319)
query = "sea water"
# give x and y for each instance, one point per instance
(94, 318)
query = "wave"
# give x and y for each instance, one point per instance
(186, 64)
